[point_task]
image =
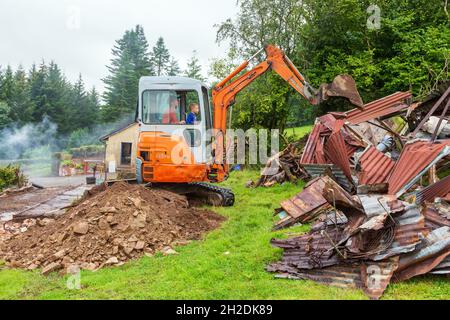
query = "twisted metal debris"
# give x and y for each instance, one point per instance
(378, 200)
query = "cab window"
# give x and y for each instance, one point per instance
(169, 106)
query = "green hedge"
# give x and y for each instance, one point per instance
(11, 175)
(84, 151)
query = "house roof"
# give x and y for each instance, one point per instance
(118, 130)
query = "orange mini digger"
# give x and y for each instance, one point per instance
(173, 153)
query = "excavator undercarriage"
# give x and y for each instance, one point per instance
(199, 192)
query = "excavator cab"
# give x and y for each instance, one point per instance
(169, 150)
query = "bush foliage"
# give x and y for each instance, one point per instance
(11, 175)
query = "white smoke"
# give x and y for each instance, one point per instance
(18, 141)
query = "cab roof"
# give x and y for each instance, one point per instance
(170, 80)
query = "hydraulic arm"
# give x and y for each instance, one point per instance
(225, 92)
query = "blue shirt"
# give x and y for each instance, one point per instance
(191, 118)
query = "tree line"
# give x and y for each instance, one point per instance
(43, 91)
(132, 59)
(397, 45)
(407, 48)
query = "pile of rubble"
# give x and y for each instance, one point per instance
(378, 198)
(283, 166)
(108, 227)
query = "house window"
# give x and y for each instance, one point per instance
(125, 153)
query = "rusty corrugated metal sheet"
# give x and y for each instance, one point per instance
(414, 159)
(308, 155)
(380, 108)
(408, 220)
(375, 167)
(336, 151)
(304, 206)
(372, 277)
(313, 201)
(434, 249)
(433, 219)
(328, 120)
(331, 218)
(443, 267)
(306, 201)
(317, 170)
(343, 276)
(331, 132)
(376, 204)
(376, 276)
(438, 189)
(410, 229)
(312, 250)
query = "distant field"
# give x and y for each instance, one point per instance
(298, 132)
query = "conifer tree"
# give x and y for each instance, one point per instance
(130, 62)
(174, 68)
(160, 58)
(194, 69)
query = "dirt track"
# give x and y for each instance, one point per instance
(19, 202)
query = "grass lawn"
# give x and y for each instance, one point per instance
(228, 264)
(298, 132)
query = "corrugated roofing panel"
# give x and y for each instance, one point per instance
(372, 277)
(379, 108)
(433, 219)
(317, 170)
(433, 250)
(375, 167)
(438, 189)
(336, 152)
(306, 201)
(312, 250)
(443, 267)
(414, 161)
(410, 229)
(310, 147)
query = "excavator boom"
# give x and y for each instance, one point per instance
(224, 93)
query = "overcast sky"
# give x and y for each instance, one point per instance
(79, 34)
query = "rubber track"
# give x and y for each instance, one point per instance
(227, 194)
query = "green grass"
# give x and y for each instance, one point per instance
(298, 132)
(204, 270)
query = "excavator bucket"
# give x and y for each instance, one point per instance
(342, 86)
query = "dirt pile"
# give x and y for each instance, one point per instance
(112, 226)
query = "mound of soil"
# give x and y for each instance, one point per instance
(109, 227)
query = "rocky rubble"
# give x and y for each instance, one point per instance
(108, 227)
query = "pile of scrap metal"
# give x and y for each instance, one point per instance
(366, 241)
(284, 166)
(377, 206)
(382, 148)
